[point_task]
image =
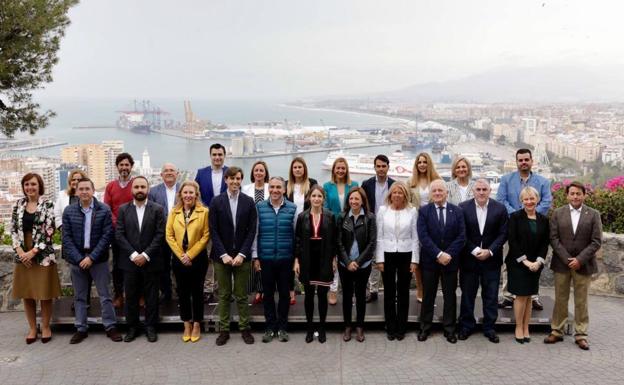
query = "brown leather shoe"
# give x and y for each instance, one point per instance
(118, 301)
(360, 334)
(583, 344)
(78, 337)
(114, 335)
(248, 338)
(346, 337)
(552, 339)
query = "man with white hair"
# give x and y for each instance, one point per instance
(442, 234)
(481, 259)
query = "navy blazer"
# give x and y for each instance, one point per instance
(158, 194)
(204, 179)
(73, 232)
(433, 239)
(224, 239)
(369, 188)
(149, 239)
(493, 238)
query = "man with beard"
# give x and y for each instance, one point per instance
(117, 193)
(140, 234)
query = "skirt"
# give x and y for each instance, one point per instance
(37, 282)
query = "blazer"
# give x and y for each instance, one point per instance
(158, 194)
(454, 192)
(332, 200)
(250, 191)
(364, 232)
(369, 188)
(433, 239)
(61, 202)
(582, 245)
(148, 240)
(73, 232)
(493, 238)
(227, 238)
(389, 240)
(524, 245)
(204, 179)
(197, 231)
(42, 230)
(303, 232)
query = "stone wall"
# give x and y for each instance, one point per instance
(609, 280)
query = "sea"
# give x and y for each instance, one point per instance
(189, 154)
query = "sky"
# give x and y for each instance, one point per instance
(288, 49)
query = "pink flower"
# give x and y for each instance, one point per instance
(615, 183)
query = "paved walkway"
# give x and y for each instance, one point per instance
(376, 361)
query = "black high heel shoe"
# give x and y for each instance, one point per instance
(520, 340)
(309, 336)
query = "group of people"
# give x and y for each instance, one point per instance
(260, 236)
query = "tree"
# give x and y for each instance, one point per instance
(30, 35)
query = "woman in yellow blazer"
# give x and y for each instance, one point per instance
(187, 235)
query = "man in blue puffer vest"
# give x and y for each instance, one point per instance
(273, 255)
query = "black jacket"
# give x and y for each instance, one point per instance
(365, 231)
(369, 187)
(523, 242)
(303, 232)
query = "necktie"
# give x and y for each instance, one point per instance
(441, 216)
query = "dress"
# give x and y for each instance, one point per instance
(316, 254)
(528, 239)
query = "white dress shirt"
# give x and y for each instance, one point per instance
(481, 218)
(171, 197)
(217, 179)
(575, 215)
(397, 232)
(140, 212)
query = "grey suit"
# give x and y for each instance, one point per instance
(582, 245)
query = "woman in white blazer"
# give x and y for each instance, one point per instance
(397, 256)
(67, 196)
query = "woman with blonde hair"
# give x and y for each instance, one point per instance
(423, 173)
(67, 196)
(187, 235)
(528, 237)
(397, 256)
(461, 184)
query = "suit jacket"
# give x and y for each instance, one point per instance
(493, 238)
(226, 239)
(158, 194)
(149, 239)
(582, 245)
(433, 239)
(522, 243)
(324, 261)
(204, 179)
(369, 188)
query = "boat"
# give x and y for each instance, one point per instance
(363, 164)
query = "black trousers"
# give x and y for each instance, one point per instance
(190, 287)
(309, 303)
(276, 274)
(354, 282)
(430, 288)
(118, 274)
(137, 283)
(396, 278)
(165, 274)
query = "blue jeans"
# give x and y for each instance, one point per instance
(276, 273)
(101, 276)
(469, 282)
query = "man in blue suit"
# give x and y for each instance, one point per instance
(165, 195)
(442, 234)
(376, 189)
(233, 221)
(481, 259)
(212, 183)
(211, 179)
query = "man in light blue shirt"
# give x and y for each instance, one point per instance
(509, 194)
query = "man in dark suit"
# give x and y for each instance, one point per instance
(211, 184)
(233, 221)
(140, 233)
(376, 189)
(481, 259)
(442, 234)
(165, 195)
(575, 236)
